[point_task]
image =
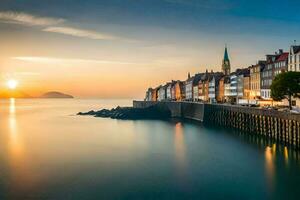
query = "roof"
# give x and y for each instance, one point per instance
(282, 57)
(216, 75)
(296, 49)
(197, 78)
(244, 71)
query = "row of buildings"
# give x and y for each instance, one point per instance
(243, 86)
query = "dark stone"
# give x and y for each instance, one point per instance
(152, 112)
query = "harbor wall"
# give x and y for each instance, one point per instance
(279, 126)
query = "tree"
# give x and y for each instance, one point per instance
(285, 86)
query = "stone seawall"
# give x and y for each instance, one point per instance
(278, 126)
(187, 110)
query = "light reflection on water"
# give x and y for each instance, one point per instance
(180, 151)
(270, 166)
(53, 154)
(20, 180)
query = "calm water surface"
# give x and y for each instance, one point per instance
(47, 152)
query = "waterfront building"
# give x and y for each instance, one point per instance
(148, 96)
(294, 58)
(196, 80)
(169, 90)
(173, 91)
(294, 65)
(213, 86)
(154, 94)
(231, 88)
(226, 63)
(203, 87)
(227, 91)
(221, 93)
(281, 63)
(189, 88)
(206, 90)
(246, 86)
(255, 79)
(242, 74)
(201, 90)
(162, 93)
(179, 91)
(267, 76)
(275, 64)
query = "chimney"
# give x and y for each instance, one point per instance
(280, 51)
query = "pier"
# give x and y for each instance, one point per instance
(281, 127)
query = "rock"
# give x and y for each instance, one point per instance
(153, 112)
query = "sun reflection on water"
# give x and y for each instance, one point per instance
(18, 166)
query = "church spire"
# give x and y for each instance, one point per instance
(226, 62)
(226, 57)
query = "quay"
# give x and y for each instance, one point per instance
(278, 126)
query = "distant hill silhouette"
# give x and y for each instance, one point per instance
(54, 94)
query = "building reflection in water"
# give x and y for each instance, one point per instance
(180, 153)
(270, 156)
(286, 156)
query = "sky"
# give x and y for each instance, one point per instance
(119, 48)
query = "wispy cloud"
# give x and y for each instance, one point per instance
(49, 25)
(28, 19)
(79, 33)
(51, 60)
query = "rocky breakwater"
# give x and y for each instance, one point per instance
(152, 112)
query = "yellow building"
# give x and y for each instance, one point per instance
(255, 79)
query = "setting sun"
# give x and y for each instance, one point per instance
(12, 84)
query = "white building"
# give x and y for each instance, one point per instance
(149, 95)
(161, 93)
(196, 80)
(213, 86)
(212, 90)
(169, 91)
(294, 58)
(189, 89)
(230, 86)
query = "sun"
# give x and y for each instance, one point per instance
(12, 84)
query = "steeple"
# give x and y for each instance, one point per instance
(226, 62)
(189, 75)
(226, 57)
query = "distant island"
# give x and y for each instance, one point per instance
(55, 94)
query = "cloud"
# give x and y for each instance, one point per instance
(28, 19)
(79, 33)
(48, 24)
(51, 60)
